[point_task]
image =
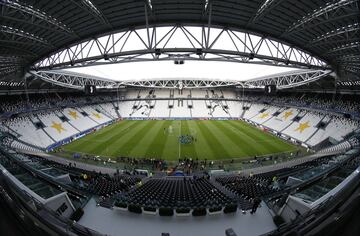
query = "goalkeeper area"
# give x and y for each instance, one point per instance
(174, 139)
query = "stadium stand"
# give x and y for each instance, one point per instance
(105, 186)
(44, 128)
(28, 132)
(177, 192)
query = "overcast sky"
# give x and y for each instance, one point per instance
(191, 69)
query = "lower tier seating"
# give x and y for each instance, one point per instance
(105, 186)
(177, 192)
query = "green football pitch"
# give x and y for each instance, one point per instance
(174, 139)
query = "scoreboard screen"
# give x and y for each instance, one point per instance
(270, 89)
(90, 89)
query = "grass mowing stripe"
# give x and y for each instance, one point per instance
(250, 143)
(114, 131)
(276, 144)
(80, 142)
(212, 141)
(251, 131)
(105, 132)
(145, 141)
(86, 143)
(188, 150)
(131, 139)
(238, 139)
(158, 141)
(270, 143)
(171, 149)
(203, 149)
(115, 141)
(228, 142)
(117, 134)
(251, 135)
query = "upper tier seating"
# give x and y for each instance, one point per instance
(162, 93)
(164, 112)
(235, 108)
(201, 93)
(199, 109)
(108, 109)
(180, 109)
(219, 109)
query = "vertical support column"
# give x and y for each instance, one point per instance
(26, 92)
(147, 26)
(207, 40)
(335, 87)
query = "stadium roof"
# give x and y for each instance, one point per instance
(32, 30)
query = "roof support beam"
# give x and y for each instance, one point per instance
(288, 79)
(32, 15)
(89, 7)
(202, 43)
(266, 7)
(72, 80)
(324, 11)
(282, 81)
(17, 51)
(20, 33)
(207, 38)
(343, 31)
(347, 46)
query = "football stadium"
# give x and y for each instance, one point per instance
(179, 118)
